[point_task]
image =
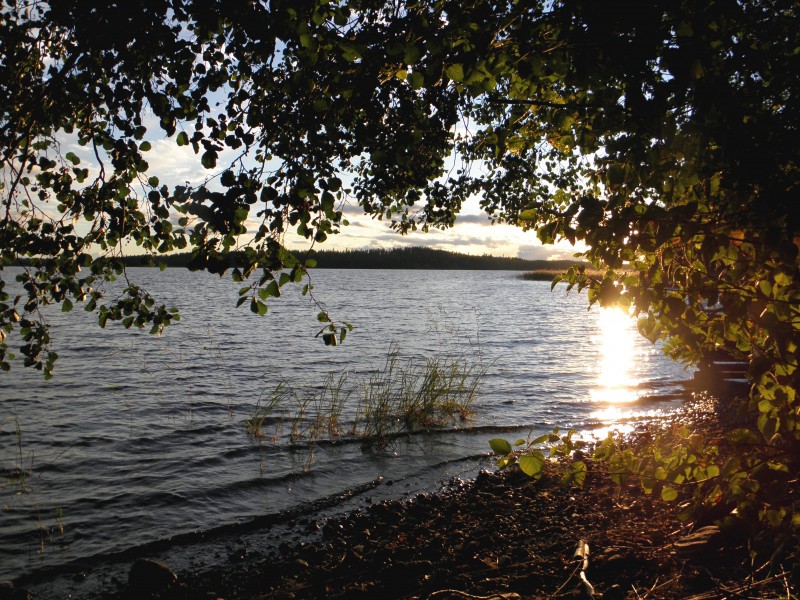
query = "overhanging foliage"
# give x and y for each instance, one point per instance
(664, 136)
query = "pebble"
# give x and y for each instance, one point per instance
(9, 592)
(148, 577)
(699, 542)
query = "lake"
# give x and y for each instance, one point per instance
(137, 444)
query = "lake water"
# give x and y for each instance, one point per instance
(138, 439)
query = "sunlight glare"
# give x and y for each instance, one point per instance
(615, 383)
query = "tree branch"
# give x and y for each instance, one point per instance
(494, 99)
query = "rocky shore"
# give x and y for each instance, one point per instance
(502, 535)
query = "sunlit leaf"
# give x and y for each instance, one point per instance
(531, 464)
(500, 446)
(668, 493)
(455, 72)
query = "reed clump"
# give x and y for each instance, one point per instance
(265, 407)
(551, 274)
(404, 396)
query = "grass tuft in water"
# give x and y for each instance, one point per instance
(405, 396)
(254, 425)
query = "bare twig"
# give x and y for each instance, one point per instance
(711, 595)
(460, 594)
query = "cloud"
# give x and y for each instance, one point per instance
(541, 252)
(176, 165)
(479, 219)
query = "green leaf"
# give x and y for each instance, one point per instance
(743, 436)
(183, 139)
(349, 53)
(416, 80)
(455, 72)
(765, 287)
(500, 446)
(209, 159)
(73, 158)
(531, 464)
(615, 175)
(782, 278)
(668, 493)
(578, 473)
(542, 439)
(258, 308)
(66, 306)
(411, 54)
(505, 461)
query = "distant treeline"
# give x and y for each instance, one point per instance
(416, 257)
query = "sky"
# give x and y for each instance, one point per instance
(473, 233)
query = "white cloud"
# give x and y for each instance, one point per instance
(175, 165)
(471, 235)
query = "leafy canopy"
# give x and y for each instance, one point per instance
(664, 136)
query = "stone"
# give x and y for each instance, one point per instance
(700, 541)
(148, 577)
(9, 592)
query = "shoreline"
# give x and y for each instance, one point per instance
(500, 533)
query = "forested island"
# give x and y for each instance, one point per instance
(414, 257)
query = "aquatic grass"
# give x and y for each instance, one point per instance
(15, 476)
(404, 396)
(329, 404)
(299, 430)
(378, 398)
(17, 494)
(254, 424)
(440, 391)
(547, 274)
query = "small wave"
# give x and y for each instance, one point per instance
(188, 538)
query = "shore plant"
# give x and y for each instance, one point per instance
(266, 406)
(404, 396)
(530, 454)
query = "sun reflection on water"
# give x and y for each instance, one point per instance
(616, 390)
(615, 384)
